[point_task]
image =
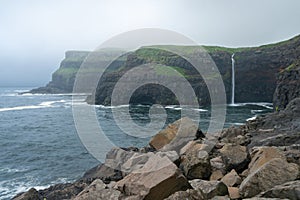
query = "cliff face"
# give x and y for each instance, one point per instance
(288, 86)
(63, 78)
(256, 70)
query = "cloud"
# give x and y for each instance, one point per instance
(37, 33)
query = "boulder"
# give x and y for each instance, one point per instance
(175, 136)
(186, 195)
(216, 175)
(195, 163)
(103, 172)
(63, 191)
(273, 172)
(157, 179)
(217, 163)
(262, 155)
(220, 198)
(31, 194)
(209, 189)
(289, 190)
(234, 193)
(116, 157)
(231, 179)
(235, 135)
(97, 191)
(138, 160)
(235, 157)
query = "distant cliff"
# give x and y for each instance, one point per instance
(63, 78)
(256, 70)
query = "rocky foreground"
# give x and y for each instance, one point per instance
(259, 160)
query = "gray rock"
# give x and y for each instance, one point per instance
(209, 189)
(186, 195)
(157, 179)
(195, 163)
(98, 191)
(289, 190)
(116, 157)
(138, 160)
(31, 194)
(235, 157)
(103, 172)
(231, 179)
(266, 176)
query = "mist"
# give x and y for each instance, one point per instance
(35, 34)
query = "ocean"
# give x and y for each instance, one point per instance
(39, 145)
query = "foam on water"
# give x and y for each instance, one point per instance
(45, 104)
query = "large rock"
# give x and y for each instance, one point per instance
(278, 128)
(274, 172)
(234, 193)
(63, 191)
(175, 136)
(195, 163)
(186, 195)
(157, 179)
(138, 160)
(231, 179)
(97, 191)
(31, 194)
(103, 172)
(262, 155)
(289, 190)
(235, 157)
(116, 157)
(209, 189)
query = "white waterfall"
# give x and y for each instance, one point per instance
(232, 79)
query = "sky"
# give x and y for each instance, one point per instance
(35, 34)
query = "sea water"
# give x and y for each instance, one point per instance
(39, 145)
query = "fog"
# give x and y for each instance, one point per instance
(35, 34)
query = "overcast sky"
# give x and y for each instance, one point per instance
(35, 34)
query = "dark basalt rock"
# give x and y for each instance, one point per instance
(256, 70)
(288, 86)
(278, 128)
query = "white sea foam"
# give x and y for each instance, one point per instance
(238, 124)
(108, 107)
(178, 108)
(251, 118)
(45, 104)
(262, 104)
(200, 110)
(170, 106)
(256, 111)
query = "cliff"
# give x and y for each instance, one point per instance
(63, 78)
(256, 70)
(288, 86)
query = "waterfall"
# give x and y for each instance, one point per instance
(232, 79)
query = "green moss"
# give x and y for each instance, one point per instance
(290, 67)
(166, 71)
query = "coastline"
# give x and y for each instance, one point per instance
(197, 164)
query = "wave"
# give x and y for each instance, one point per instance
(111, 107)
(45, 104)
(10, 188)
(200, 110)
(262, 104)
(251, 118)
(256, 111)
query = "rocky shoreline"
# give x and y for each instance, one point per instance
(258, 160)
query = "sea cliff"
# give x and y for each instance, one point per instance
(257, 160)
(256, 71)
